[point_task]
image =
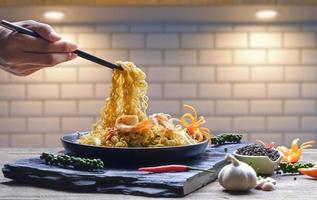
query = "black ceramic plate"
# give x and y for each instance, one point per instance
(132, 155)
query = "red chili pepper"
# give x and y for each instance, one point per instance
(171, 168)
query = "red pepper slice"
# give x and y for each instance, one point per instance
(108, 137)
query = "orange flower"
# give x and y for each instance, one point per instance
(294, 154)
(194, 125)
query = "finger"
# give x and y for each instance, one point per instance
(46, 59)
(32, 44)
(44, 30)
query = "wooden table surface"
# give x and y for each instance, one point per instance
(287, 188)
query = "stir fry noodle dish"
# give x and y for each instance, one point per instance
(124, 121)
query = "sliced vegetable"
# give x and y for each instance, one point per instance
(293, 154)
(172, 168)
(193, 124)
(312, 172)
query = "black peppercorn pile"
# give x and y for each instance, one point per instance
(258, 150)
(73, 162)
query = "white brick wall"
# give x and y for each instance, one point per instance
(259, 79)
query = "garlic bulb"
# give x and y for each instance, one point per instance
(237, 176)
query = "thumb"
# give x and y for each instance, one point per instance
(44, 30)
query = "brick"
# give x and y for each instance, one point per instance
(12, 125)
(61, 74)
(69, 37)
(60, 108)
(165, 106)
(249, 57)
(43, 91)
(4, 108)
(300, 73)
(267, 73)
(148, 57)
(4, 76)
(283, 56)
(93, 40)
(215, 28)
(4, 140)
(112, 28)
(203, 107)
(309, 90)
(266, 107)
(72, 91)
(198, 74)
(43, 125)
(147, 28)
(249, 28)
(197, 40)
(248, 124)
(216, 90)
(289, 137)
(163, 74)
(73, 124)
(155, 91)
(27, 140)
(127, 40)
(300, 107)
(180, 57)
(309, 123)
(232, 73)
(283, 28)
(102, 90)
(230, 107)
(162, 40)
(52, 140)
(309, 56)
(283, 123)
(277, 138)
(113, 55)
(231, 40)
(94, 74)
(180, 28)
(299, 40)
(218, 124)
(12, 92)
(249, 90)
(78, 29)
(36, 77)
(90, 108)
(265, 40)
(184, 90)
(283, 90)
(215, 57)
(26, 108)
(309, 27)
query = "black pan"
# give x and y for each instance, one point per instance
(132, 155)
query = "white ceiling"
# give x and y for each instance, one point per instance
(231, 14)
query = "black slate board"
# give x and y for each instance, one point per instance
(121, 181)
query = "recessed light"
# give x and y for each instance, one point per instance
(54, 15)
(266, 14)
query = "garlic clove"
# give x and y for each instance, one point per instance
(268, 186)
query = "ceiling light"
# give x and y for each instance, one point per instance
(266, 14)
(54, 15)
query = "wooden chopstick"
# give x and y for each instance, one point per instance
(79, 52)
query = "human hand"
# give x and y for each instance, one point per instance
(23, 55)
